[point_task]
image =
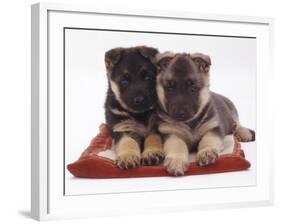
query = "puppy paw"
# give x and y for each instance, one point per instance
(128, 159)
(176, 165)
(245, 134)
(152, 157)
(207, 156)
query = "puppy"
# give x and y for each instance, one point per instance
(192, 118)
(130, 106)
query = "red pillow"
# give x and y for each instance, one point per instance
(92, 165)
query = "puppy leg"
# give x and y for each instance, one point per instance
(244, 134)
(128, 152)
(153, 152)
(176, 159)
(208, 149)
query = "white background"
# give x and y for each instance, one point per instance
(233, 74)
(15, 112)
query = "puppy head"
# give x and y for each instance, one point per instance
(183, 84)
(132, 77)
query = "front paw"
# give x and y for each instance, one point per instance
(152, 157)
(128, 159)
(176, 164)
(207, 156)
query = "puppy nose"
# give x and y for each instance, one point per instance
(138, 100)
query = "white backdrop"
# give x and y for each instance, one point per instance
(233, 74)
(15, 111)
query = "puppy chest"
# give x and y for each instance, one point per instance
(190, 136)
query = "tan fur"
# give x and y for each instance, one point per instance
(116, 91)
(153, 141)
(161, 94)
(204, 97)
(118, 112)
(206, 79)
(128, 152)
(159, 56)
(208, 149)
(176, 151)
(176, 128)
(153, 152)
(131, 125)
(206, 156)
(183, 131)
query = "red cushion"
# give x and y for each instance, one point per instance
(90, 165)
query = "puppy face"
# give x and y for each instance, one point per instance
(183, 84)
(132, 77)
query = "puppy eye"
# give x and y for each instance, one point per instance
(170, 85)
(148, 77)
(190, 83)
(191, 86)
(192, 89)
(124, 82)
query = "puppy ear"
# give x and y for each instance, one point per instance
(163, 60)
(112, 57)
(202, 61)
(163, 63)
(148, 52)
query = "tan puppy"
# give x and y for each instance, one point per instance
(192, 118)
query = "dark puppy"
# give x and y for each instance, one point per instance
(130, 105)
(192, 118)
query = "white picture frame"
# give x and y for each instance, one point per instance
(48, 199)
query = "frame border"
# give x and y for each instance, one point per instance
(40, 87)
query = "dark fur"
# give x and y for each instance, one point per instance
(134, 73)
